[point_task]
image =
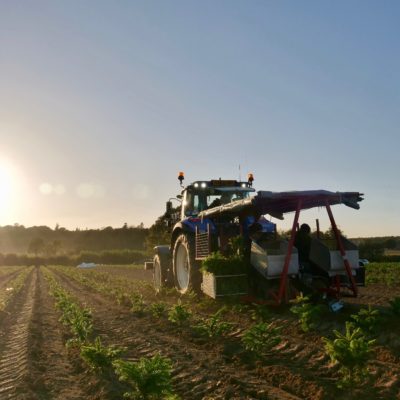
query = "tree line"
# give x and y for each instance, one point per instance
(42, 240)
(125, 245)
(42, 245)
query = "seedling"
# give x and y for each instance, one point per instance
(138, 305)
(367, 320)
(158, 310)
(260, 312)
(99, 357)
(307, 312)
(149, 378)
(351, 351)
(261, 338)
(179, 314)
(395, 306)
(213, 326)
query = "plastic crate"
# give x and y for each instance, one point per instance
(271, 265)
(324, 255)
(224, 285)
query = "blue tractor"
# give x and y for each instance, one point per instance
(194, 236)
(215, 211)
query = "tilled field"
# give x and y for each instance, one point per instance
(36, 364)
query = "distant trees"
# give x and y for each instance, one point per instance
(43, 240)
(36, 246)
(160, 232)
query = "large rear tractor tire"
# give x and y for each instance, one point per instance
(161, 274)
(187, 275)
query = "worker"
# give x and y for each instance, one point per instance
(302, 242)
(226, 198)
(215, 203)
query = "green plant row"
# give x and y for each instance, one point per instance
(14, 287)
(118, 288)
(387, 273)
(77, 318)
(6, 270)
(147, 378)
(178, 314)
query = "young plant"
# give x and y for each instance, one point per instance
(138, 305)
(367, 320)
(99, 357)
(237, 246)
(213, 326)
(158, 310)
(351, 351)
(179, 314)
(82, 325)
(120, 296)
(259, 312)
(261, 338)
(307, 312)
(395, 306)
(149, 378)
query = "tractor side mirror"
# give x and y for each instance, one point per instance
(168, 209)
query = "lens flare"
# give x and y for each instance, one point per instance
(6, 189)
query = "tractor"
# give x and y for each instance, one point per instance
(212, 212)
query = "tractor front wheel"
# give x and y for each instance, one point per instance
(161, 274)
(186, 269)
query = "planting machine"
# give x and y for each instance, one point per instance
(213, 212)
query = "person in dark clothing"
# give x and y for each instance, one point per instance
(302, 242)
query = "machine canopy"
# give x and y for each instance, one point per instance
(278, 203)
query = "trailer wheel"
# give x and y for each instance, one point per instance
(160, 274)
(186, 269)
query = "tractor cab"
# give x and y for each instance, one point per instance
(203, 195)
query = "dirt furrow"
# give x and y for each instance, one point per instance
(52, 374)
(14, 341)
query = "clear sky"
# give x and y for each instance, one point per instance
(103, 102)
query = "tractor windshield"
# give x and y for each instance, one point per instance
(200, 200)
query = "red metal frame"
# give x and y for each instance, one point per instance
(336, 282)
(283, 281)
(342, 250)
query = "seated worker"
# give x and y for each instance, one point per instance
(219, 201)
(257, 235)
(215, 203)
(302, 242)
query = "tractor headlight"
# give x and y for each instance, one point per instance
(203, 185)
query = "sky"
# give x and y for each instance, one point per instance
(102, 103)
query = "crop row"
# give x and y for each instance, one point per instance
(9, 270)
(14, 286)
(387, 273)
(104, 282)
(148, 378)
(349, 349)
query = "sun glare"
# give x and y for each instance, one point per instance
(6, 189)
